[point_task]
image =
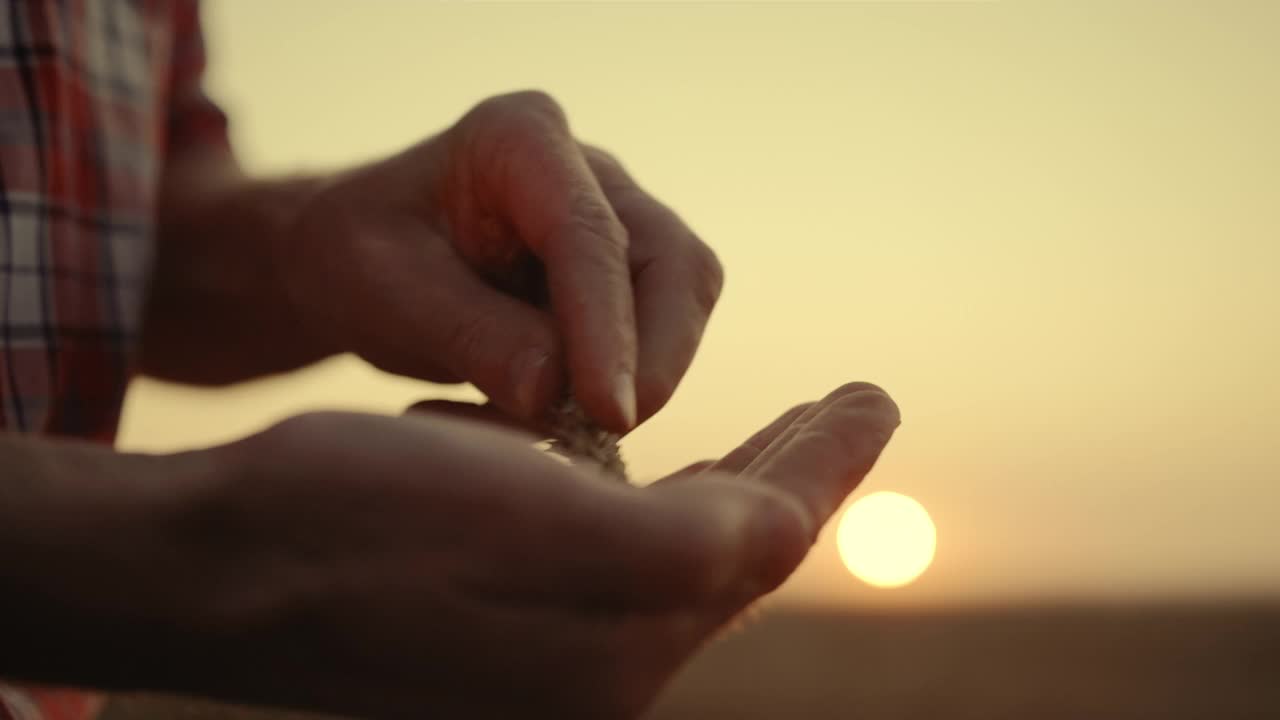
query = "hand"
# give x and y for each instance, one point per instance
(420, 566)
(504, 253)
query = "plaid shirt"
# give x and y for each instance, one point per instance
(94, 95)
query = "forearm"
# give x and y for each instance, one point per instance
(90, 590)
(217, 312)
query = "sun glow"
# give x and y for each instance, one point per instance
(886, 539)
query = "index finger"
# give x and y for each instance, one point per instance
(553, 200)
(823, 459)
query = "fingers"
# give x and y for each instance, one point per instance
(542, 184)
(711, 535)
(740, 457)
(826, 452)
(810, 411)
(677, 281)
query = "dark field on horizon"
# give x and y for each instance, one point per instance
(1074, 663)
(1062, 663)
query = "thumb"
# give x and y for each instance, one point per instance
(705, 543)
(768, 536)
(505, 347)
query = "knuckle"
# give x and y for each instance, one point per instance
(538, 102)
(708, 274)
(593, 239)
(598, 155)
(595, 219)
(851, 388)
(522, 111)
(608, 170)
(468, 337)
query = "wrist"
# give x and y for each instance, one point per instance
(94, 585)
(219, 310)
(273, 215)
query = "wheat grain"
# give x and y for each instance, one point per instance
(577, 437)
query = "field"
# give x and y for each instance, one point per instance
(1044, 664)
(1077, 663)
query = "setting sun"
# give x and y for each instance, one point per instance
(886, 539)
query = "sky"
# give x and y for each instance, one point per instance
(1050, 230)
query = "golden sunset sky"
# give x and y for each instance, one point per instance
(1050, 230)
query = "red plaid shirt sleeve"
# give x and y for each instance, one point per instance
(95, 96)
(194, 121)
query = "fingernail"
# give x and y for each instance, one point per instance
(527, 373)
(624, 394)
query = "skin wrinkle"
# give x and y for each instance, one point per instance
(482, 235)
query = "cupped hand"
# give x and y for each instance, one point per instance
(505, 253)
(430, 567)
